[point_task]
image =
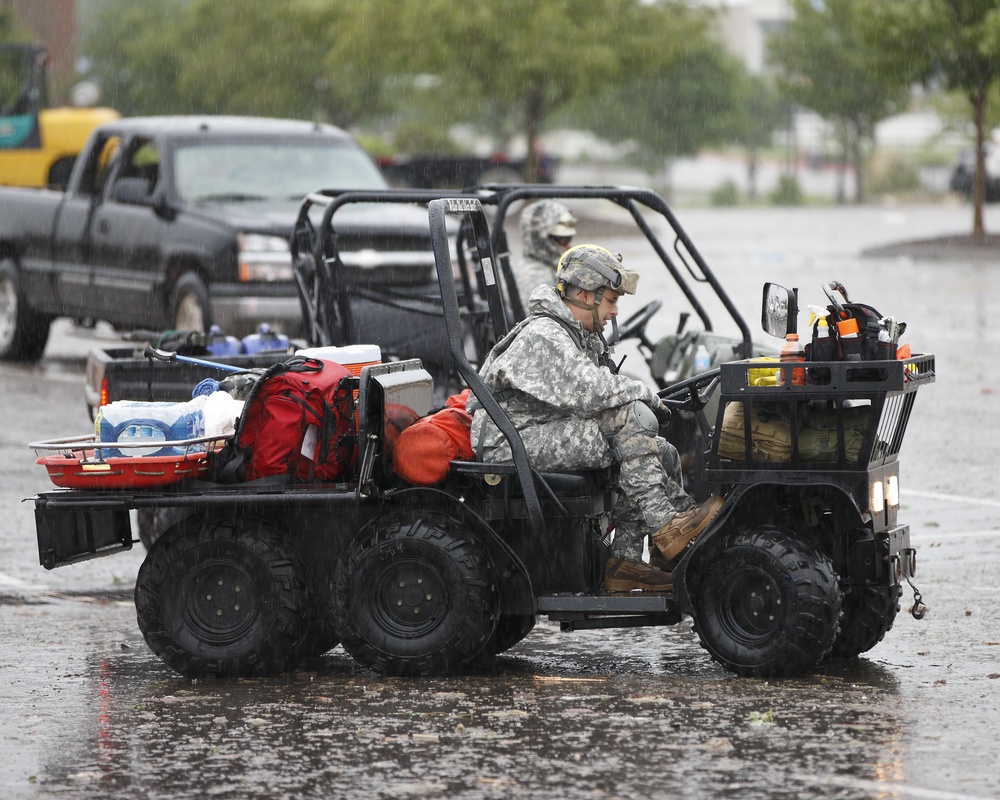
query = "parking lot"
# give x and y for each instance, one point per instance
(626, 713)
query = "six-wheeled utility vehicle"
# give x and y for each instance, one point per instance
(805, 560)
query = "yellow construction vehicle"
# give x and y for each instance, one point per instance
(39, 143)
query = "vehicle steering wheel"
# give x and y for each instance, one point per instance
(635, 326)
(693, 394)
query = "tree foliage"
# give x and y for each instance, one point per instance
(829, 63)
(954, 43)
(520, 60)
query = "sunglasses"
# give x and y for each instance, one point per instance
(562, 241)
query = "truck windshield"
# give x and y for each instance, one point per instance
(274, 171)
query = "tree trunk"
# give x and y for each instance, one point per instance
(857, 156)
(533, 110)
(979, 181)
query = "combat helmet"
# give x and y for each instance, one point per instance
(592, 267)
(542, 223)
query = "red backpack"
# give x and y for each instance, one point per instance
(298, 422)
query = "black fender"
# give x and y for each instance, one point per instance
(729, 518)
(514, 579)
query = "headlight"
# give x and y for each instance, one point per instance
(877, 497)
(884, 494)
(892, 491)
(264, 258)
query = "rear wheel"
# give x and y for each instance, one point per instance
(869, 612)
(189, 306)
(24, 332)
(415, 596)
(153, 522)
(766, 604)
(221, 598)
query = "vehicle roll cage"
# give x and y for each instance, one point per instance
(326, 306)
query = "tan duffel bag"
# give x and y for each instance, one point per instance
(818, 437)
(771, 433)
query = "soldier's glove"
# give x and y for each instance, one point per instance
(662, 413)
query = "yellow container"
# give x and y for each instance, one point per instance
(763, 376)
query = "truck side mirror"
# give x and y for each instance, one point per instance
(134, 192)
(779, 310)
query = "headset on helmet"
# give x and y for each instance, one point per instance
(592, 267)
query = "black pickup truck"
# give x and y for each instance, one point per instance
(181, 222)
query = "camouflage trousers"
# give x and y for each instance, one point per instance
(649, 469)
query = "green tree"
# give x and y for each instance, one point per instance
(829, 63)
(135, 55)
(695, 103)
(951, 42)
(269, 57)
(760, 111)
(522, 60)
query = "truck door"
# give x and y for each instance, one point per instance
(125, 238)
(71, 232)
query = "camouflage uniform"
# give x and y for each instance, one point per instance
(540, 254)
(575, 415)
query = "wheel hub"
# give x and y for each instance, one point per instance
(752, 606)
(411, 597)
(223, 602)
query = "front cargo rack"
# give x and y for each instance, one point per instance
(844, 416)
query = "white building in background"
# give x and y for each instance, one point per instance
(744, 27)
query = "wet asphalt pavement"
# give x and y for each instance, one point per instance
(91, 713)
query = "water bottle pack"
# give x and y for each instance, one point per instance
(148, 424)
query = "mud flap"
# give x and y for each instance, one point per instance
(68, 535)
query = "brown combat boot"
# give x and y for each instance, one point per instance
(622, 575)
(677, 534)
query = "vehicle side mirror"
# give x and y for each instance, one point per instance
(779, 310)
(134, 191)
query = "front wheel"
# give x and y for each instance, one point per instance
(189, 304)
(766, 604)
(223, 598)
(24, 332)
(415, 596)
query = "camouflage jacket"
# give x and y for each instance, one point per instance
(546, 369)
(539, 257)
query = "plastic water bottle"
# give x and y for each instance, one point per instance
(702, 360)
(792, 352)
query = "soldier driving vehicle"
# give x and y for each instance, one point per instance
(314, 538)
(572, 413)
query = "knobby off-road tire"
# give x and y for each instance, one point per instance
(869, 612)
(24, 332)
(223, 599)
(415, 596)
(154, 522)
(767, 605)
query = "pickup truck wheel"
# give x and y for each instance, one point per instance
(766, 605)
(189, 305)
(415, 596)
(24, 332)
(223, 598)
(869, 612)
